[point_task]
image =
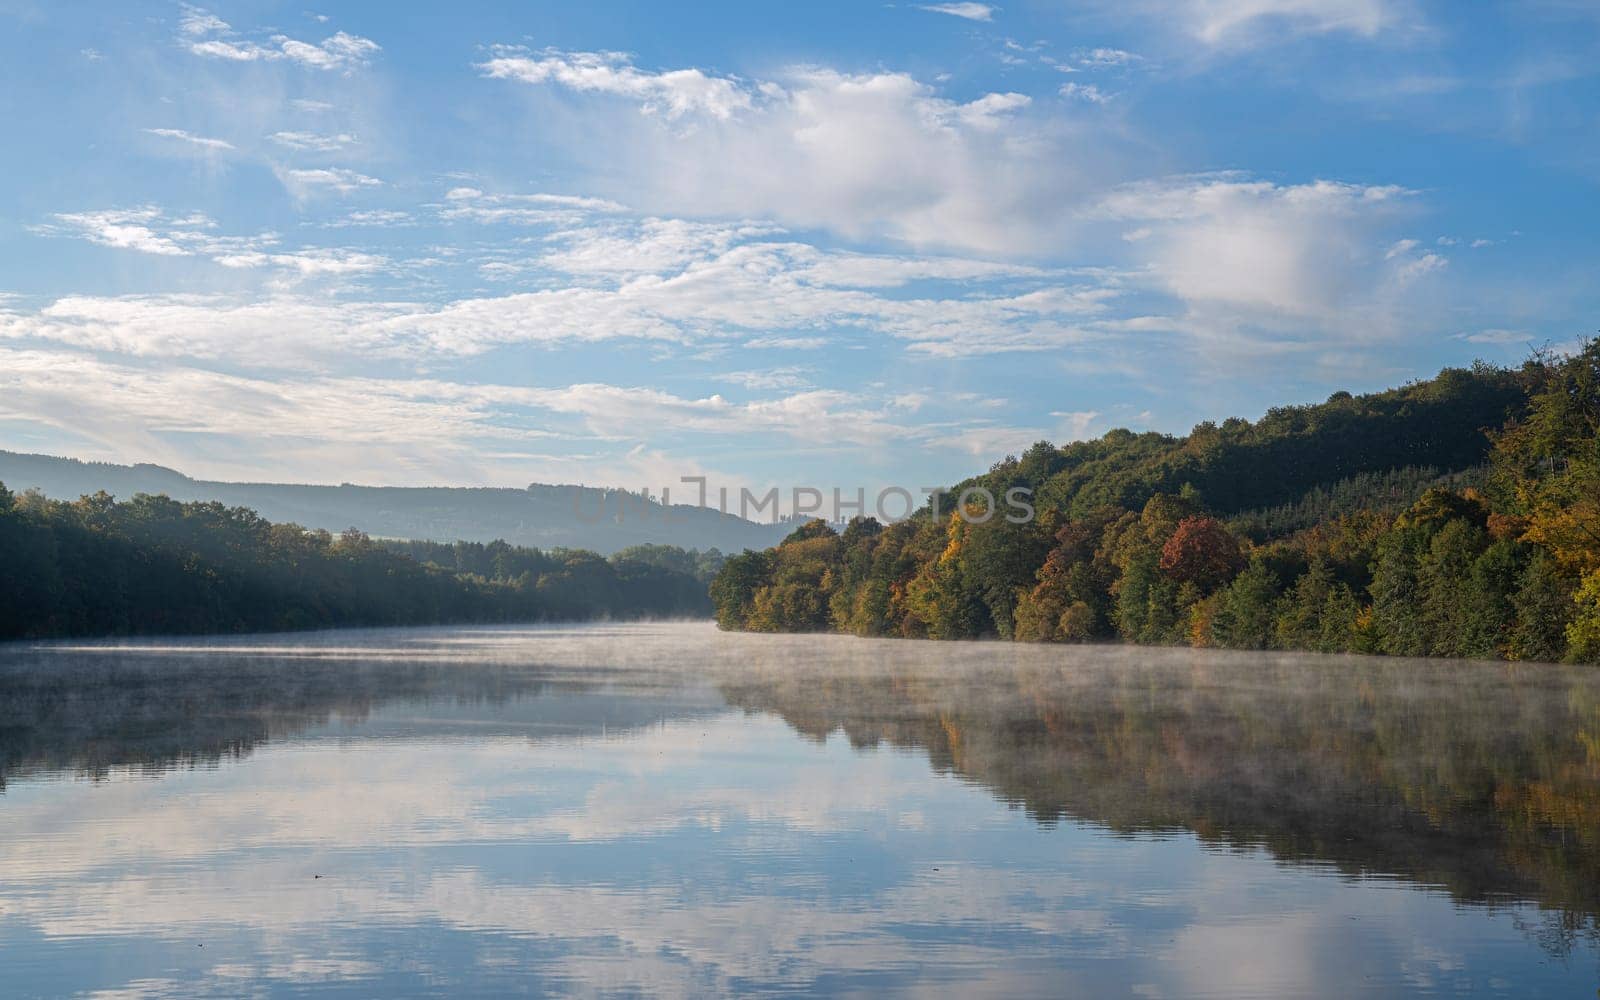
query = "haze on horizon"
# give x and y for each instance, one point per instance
(838, 244)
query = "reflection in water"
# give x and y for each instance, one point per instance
(669, 809)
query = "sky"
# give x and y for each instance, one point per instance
(849, 245)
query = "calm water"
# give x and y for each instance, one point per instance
(664, 809)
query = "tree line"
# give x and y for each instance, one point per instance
(1458, 516)
(153, 565)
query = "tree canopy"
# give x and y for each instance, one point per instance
(1458, 516)
(153, 565)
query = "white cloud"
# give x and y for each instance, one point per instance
(198, 22)
(312, 141)
(1416, 267)
(124, 229)
(276, 332)
(339, 51)
(649, 279)
(615, 411)
(210, 145)
(1085, 92)
(1241, 23)
(204, 34)
(787, 343)
(990, 111)
(149, 230)
(339, 428)
(1106, 57)
(1234, 254)
(1500, 338)
(310, 263)
(373, 218)
(213, 48)
(648, 246)
(969, 11)
(472, 205)
(876, 155)
(334, 429)
(674, 93)
(1257, 247)
(791, 377)
(304, 182)
(1074, 424)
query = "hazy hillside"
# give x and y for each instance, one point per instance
(157, 566)
(541, 516)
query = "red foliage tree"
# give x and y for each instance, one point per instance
(1201, 551)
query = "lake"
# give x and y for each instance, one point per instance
(664, 809)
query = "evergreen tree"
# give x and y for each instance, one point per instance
(1245, 616)
(1544, 606)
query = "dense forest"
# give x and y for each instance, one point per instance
(1458, 516)
(152, 565)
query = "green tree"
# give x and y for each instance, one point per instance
(1245, 615)
(1000, 560)
(1298, 623)
(733, 592)
(1543, 608)
(1398, 625)
(1583, 634)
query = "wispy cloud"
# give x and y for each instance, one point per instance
(655, 280)
(308, 262)
(539, 208)
(305, 181)
(1245, 23)
(969, 11)
(1106, 57)
(1499, 338)
(673, 93)
(151, 231)
(792, 377)
(123, 229)
(204, 34)
(373, 218)
(312, 141)
(200, 141)
(1085, 92)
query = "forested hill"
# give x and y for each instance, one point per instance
(152, 565)
(1239, 465)
(575, 517)
(1459, 516)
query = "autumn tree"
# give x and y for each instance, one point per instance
(1201, 551)
(1548, 461)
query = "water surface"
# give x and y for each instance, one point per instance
(667, 810)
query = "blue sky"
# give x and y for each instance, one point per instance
(814, 244)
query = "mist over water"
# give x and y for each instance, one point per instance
(672, 810)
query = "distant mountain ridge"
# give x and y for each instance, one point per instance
(542, 516)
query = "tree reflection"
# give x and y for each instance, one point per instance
(1482, 780)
